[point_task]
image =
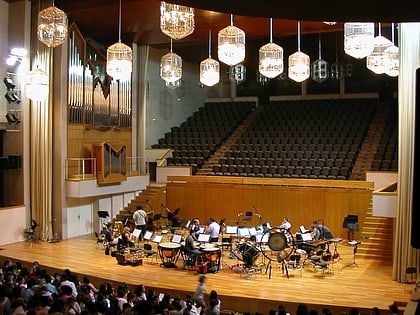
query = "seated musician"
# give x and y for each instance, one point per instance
(190, 244)
(285, 225)
(266, 227)
(124, 240)
(195, 228)
(110, 234)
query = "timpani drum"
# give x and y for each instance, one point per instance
(169, 253)
(213, 255)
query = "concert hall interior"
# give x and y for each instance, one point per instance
(281, 190)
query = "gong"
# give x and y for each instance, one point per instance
(277, 241)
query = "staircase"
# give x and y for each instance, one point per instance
(150, 199)
(371, 143)
(376, 238)
(206, 169)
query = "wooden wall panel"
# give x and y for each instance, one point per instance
(302, 205)
(80, 140)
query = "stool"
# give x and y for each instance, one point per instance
(410, 275)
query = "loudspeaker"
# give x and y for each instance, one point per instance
(415, 221)
(14, 162)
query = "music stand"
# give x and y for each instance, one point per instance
(351, 224)
(354, 244)
(102, 214)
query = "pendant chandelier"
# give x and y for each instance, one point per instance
(171, 67)
(237, 73)
(299, 63)
(271, 57)
(231, 44)
(173, 85)
(37, 85)
(337, 68)
(378, 61)
(209, 69)
(320, 67)
(393, 54)
(262, 79)
(52, 26)
(119, 58)
(358, 39)
(176, 21)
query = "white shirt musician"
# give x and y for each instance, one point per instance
(140, 220)
(285, 225)
(213, 229)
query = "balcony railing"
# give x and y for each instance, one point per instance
(85, 168)
(80, 168)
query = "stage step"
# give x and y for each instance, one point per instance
(376, 238)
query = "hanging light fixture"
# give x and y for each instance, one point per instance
(209, 69)
(271, 57)
(337, 68)
(173, 85)
(119, 57)
(237, 73)
(171, 67)
(320, 71)
(378, 60)
(52, 26)
(231, 44)
(299, 63)
(176, 21)
(358, 39)
(37, 85)
(393, 54)
(262, 79)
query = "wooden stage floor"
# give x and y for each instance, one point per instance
(363, 286)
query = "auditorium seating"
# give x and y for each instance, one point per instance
(386, 156)
(293, 139)
(197, 138)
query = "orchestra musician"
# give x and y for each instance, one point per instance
(195, 228)
(173, 216)
(124, 240)
(190, 244)
(110, 234)
(266, 227)
(320, 231)
(213, 229)
(140, 217)
(285, 225)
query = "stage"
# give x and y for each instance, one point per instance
(357, 282)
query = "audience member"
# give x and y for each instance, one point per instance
(200, 291)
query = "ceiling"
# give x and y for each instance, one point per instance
(98, 19)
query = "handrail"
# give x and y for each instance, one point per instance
(80, 168)
(295, 182)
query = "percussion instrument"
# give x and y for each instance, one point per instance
(249, 253)
(169, 253)
(277, 241)
(212, 255)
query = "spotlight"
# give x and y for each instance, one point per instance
(9, 83)
(12, 118)
(12, 97)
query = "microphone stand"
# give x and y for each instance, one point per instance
(258, 214)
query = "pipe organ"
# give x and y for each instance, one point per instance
(94, 99)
